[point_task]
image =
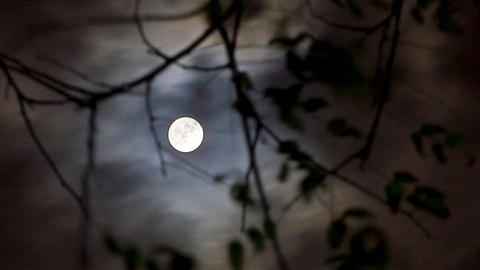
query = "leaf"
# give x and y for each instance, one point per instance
(245, 80)
(284, 172)
(453, 141)
(330, 63)
(256, 238)
(286, 101)
(339, 128)
(443, 18)
(235, 254)
(437, 150)
(112, 244)
(132, 258)
(417, 15)
(296, 65)
(429, 129)
(395, 189)
(369, 248)
(314, 104)
(287, 147)
(240, 192)
(270, 228)
(336, 233)
(357, 213)
(311, 182)
(181, 262)
(418, 142)
(431, 200)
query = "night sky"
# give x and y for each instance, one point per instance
(436, 79)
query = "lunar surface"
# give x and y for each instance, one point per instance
(185, 134)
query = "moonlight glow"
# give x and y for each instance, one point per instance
(185, 134)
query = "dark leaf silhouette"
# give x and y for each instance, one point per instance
(245, 80)
(235, 255)
(132, 258)
(429, 129)
(429, 199)
(395, 190)
(340, 128)
(336, 233)
(369, 248)
(270, 228)
(453, 141)
(314, 104)
(181, 262)
(417, 140)
(256, 238)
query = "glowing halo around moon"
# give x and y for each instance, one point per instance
(185, 134)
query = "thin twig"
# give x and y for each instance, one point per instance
(85, 183)
(38, 143)
(153, 128)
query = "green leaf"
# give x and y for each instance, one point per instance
(245, 80)
(431, 200)
(235, 255)
(336, 233)
(132, 258)
(429, 129)
(453, 141)
(357, 213)
(270, 228)
(181, 262)
(256, 238)
(437, 150)
(417, 140)
(314, 104)
(395, 190)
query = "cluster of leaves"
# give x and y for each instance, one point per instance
(439, 139)
(324, 61)
(288, 100)
(443, 15)
(133, 258)
(367, 247)
(313, 178)
(405, 185)
(257, 239)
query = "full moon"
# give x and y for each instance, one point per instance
(185, 134)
